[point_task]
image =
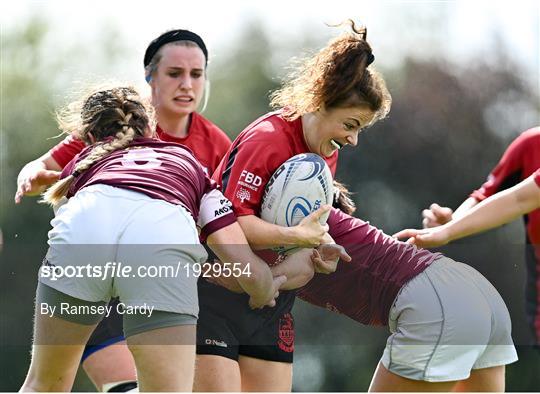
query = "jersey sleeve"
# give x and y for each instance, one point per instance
(507, 172)
(248, 169)
(66, 150)
(215, 213)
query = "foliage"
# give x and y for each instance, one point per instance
(438, 144)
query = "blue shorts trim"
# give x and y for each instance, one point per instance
(91, 349)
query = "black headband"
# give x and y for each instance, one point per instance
(172, 36)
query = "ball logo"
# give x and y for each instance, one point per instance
(297, 209)
(297, 188)
(317, 168)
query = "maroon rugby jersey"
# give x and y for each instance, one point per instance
(255, 155)
(207, 141)
(161, 170)
(521, 160)
(365, 288)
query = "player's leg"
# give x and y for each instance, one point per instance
(165, 357)
(58, 341)
(112, 368)
(216, 366)
(215, 373)
(106, 359)
(262, 375)
(266, 362)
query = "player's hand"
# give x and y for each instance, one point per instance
(436, 216)
(270, 298)
(326, 257)
(426, 238)
(310, 232)
(35, 183)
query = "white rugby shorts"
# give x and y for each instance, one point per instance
(445, 322)
(127, 245)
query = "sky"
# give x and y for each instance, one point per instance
(459, 30)
(469, 23)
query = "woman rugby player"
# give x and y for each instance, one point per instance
(324, 106)
(176, 69)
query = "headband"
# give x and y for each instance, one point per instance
(172, 36)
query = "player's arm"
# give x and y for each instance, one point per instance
(231, 247)
(225, 237)
(494, 211)
(300, 267)
(510, 163)
(263, 235)
(437, 215)
(36, 176)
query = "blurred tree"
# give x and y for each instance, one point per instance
(441, 138)
(241, 81)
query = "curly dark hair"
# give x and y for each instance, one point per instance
(339, 75)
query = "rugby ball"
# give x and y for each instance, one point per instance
(299, 186)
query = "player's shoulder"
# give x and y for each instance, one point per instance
(163, 147)
(272, 129)
(528, 136)
(204, 126)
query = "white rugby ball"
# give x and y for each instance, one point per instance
(298, 187)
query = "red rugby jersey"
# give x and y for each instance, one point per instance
(161, 170)
(537, 177)
(255, 155)
(207, 141)
(521, 160)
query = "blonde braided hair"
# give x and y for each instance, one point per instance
(117, 113)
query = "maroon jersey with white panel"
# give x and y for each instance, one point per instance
(207, 141)
(161, 170)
